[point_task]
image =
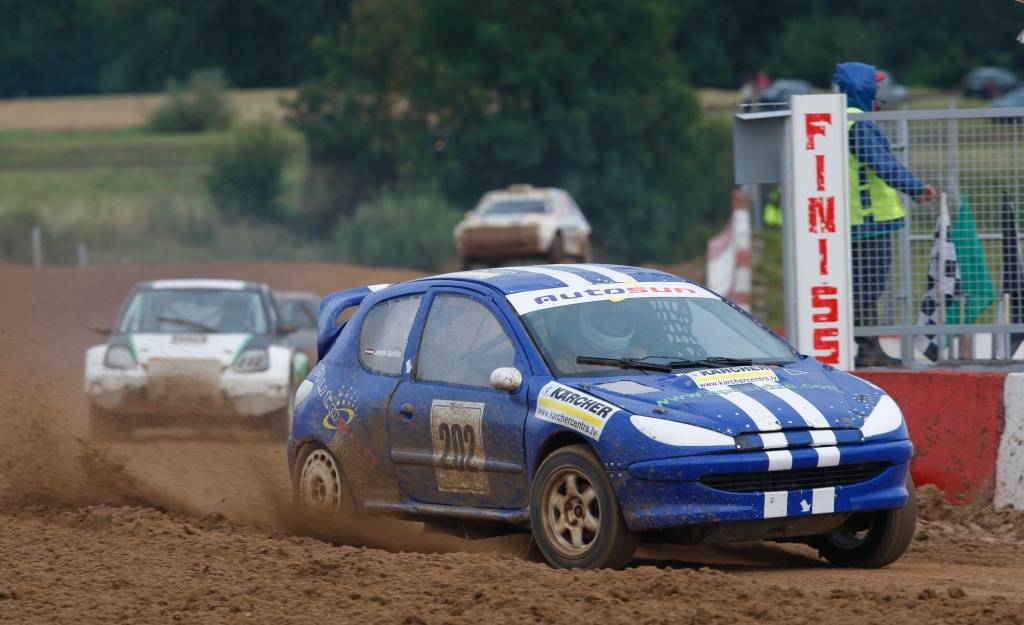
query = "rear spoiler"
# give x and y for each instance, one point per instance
(328, 326)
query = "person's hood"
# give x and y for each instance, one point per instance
(857, 81)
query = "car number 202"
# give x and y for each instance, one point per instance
(459, 452)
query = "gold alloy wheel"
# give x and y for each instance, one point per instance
(572, 512)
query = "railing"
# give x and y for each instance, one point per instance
(975, 158)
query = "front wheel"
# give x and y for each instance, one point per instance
(872, 540)
(576, 520)
(556, 253)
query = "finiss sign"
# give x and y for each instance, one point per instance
(820, 229)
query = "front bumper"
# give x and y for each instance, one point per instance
(227, 394)
(493, 242)
(662, 494)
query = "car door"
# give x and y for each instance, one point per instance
(454, 438)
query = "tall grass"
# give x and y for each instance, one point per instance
(132, 197)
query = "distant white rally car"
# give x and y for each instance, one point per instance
(192, 352)
(524, 222)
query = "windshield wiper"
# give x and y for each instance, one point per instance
(188, 322)
(670, 362)
(624, 363)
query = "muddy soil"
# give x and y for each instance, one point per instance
(194, 526)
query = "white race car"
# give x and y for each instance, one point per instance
(193, 352)
(523, 222)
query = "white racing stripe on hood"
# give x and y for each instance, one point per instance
(615, 276)
(220, 347)
(807, 411)
(758, 412)
(566, 277)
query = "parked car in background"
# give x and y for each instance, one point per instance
(890, 94)
(782, 89)
(989, 82)
(298, 311)
(523, 222)
(194, 353)
(1014, 99)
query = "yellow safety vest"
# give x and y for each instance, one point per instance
(772, 210)
(884, 200)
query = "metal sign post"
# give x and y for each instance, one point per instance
(816, 226)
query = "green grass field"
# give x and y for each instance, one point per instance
(129, 195)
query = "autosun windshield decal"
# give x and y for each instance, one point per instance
(542, 299)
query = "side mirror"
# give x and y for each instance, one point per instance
(506, 379)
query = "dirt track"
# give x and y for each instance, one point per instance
(181, 528)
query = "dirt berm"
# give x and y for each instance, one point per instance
(194, 528)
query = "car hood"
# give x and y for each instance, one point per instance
(741, 400)
(223, 348)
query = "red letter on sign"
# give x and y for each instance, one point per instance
(814, 124)
(831, 304)
(821, 214)
(822, 257)
(824, 340)
(819, 163)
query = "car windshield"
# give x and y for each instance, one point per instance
(514, 207)
(656, 329)
(201, 311)
(300, 313)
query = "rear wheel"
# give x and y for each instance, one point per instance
(323, 500)
(575, 516)
(873, 540)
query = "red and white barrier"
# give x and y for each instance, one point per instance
(728, 257)
(1010, 469)
(967, 428)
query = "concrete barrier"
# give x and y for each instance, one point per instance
(956, 423)
(1010, 468)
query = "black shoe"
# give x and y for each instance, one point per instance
(871, 354)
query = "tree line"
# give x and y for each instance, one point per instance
(106, 46)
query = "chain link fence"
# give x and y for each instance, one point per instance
(933, 287)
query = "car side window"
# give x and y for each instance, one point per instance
(462, 343)
(385, 333)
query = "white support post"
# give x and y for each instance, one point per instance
(37, 247)
(817, 230)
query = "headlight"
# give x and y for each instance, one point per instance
(119, 357)
(680, 434)
(252, 360)
(884, 418)
(303, 392)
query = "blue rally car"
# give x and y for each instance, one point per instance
(594, 405)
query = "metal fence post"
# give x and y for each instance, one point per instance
(37, 247)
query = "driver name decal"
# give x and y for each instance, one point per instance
(573, 409)
(732, 376)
